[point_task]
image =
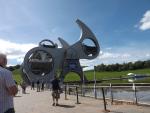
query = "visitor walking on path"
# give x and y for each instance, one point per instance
(38, 86)
(23, 86)
(8, 88)
(32, 85)
(42, 86)
(55, 90)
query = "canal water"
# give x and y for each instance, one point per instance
(127, 94)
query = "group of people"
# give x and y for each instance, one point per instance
(40, 86)
(56, 89)
(8, 88)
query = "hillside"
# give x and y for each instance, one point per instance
(17, 76)
(99, 75)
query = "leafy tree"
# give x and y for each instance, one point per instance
(124, 66)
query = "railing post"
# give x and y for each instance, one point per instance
(83, 90)
(135, 94)
(111, 92)
(104, 101)
(95, 91)
(77, 95)
(69, 90)
(65, 92)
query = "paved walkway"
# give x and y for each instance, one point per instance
(41, 102)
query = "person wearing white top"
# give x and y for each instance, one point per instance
(8, 88)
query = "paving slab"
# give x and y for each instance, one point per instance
(41, 102)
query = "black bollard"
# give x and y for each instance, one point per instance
(77, 95)
(135, 94)
(95, 91)
(104, 99)
(65, 92)
(112, 97)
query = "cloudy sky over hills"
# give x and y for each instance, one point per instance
(122, 27)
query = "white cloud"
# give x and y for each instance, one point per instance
(15, 51)
(20, 59)
(148, 54)
(145, 21)
(109, 48)
(106, 57)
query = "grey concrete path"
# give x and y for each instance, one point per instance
(41, 102)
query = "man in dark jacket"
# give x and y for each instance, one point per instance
(55, 90)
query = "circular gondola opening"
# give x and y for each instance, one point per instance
(89, 47)
(47, 43)
(40, 62)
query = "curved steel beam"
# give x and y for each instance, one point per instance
(64, 44)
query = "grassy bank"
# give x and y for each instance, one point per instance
(107, 75)
(17, 76)
(99, 75)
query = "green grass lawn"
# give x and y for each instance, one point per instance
(99, 75)
(106, 75)
(17, 76)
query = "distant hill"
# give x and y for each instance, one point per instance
(99, 75)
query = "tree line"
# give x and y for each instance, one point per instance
(12, 68)
(124, 66)
(111, 67)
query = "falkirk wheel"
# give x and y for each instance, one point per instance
(42, 62)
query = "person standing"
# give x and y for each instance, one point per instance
(42, 86)
(55, 90)
(38, 86)
(23, 86)
(32, 85)
(8, 88)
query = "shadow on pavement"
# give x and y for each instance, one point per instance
(26, 93)
(18, 96)
(116, 112)
(66, 106)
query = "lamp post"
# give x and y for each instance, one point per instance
(83, 91)
(83, 82)
(95, 92)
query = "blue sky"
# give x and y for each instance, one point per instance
(122, 27)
